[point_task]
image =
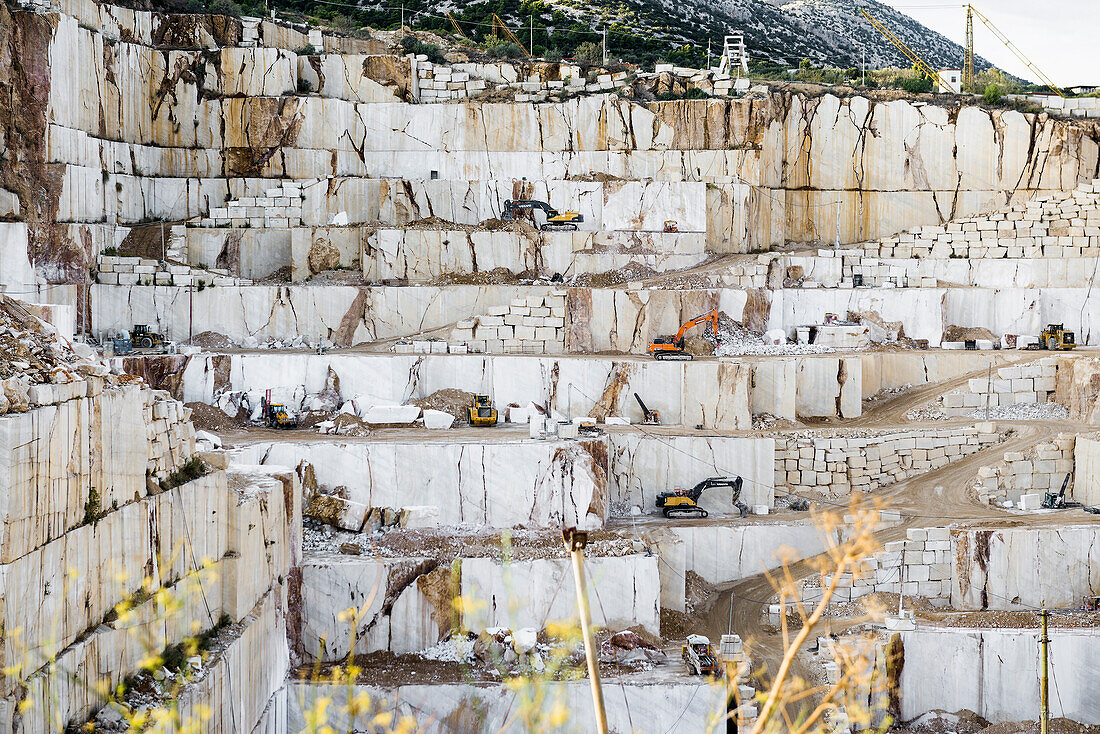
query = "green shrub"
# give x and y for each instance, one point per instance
(413, 45)
(225, 7)
(917, 85)
(305, 86)
(588, 51)
(502, 50)
(307, 50)
(992, 94)
(553, 55)
(112, 250)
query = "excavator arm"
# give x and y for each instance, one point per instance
(711, 317)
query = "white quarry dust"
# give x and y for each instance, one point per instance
(1023, 412)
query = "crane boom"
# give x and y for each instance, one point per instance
(909, 53)
(455, 25)
(498, 23)
(1019, 54)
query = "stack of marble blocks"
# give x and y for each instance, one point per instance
(1022, 477)
(837, 466)
(920, 565)
(1015, 385)
(170, 432)
(531, 325)
(120, 270)
(280, 206)
(1047, 227)
(442, 83)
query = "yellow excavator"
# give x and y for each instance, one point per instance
(555, 221)
(672, 347)
(686, 501)
(1055, 337)
(481, 412)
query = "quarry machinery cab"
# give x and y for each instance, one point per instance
(555, 221)
(481, 412)
(1055, 337)
(672, 347)
(671, 225)
(686, 501)
(699, 657)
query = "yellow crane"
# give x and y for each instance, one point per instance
(498, 24)
(971, 11)
(914, 58)
(456, 26)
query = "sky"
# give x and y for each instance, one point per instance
(1058, 36)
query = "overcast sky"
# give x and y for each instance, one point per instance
(1059, 36)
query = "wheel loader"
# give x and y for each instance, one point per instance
(481, 412)
(555, 221)
(1055, 337)
(672, 347)
(699, 657)
(142, 338)
(686, 501)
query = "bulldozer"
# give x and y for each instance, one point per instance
(555, 221)
(686, 501)
(142, 338)
(699, 657)
(481, 411)
(1055, 337)
(276, 416)
(672, 347)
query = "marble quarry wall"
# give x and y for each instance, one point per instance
(1003, 568)
(1086, 470)
(995, 672)
(161, 114)
(500, 483)
(488, 707)
(598, 320)
(405, 605)
(87, 526)
(641, 465)
(720, 554)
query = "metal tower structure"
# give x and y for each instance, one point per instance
(968, 54)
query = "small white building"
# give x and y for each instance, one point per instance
(952, 78)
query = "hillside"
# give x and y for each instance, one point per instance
(828, 32)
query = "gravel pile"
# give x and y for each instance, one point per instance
(1023, 412)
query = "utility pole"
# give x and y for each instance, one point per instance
(531, 40)
(1044, 701)
(402, 16)
(865, 66)
(605, 46)
(575, 541)
(708, 53)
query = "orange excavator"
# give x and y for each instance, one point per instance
(672, 347)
